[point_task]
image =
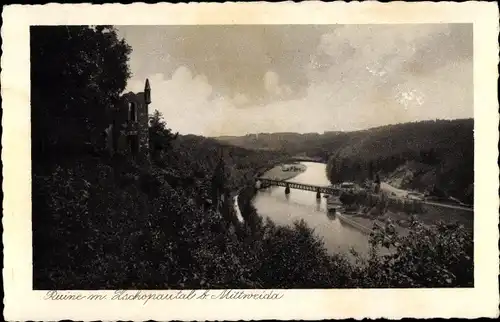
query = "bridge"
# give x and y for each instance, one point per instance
(301, 186)
(424, 205)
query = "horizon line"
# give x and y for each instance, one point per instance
(330, 131)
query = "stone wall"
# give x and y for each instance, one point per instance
(123, 129)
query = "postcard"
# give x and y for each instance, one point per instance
(247, 161)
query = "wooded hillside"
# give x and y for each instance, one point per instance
(437, 153)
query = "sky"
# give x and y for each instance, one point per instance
(240, 79)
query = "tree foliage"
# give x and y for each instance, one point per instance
(440, 256)
(97, 226)
(77, 74)
(160, 137)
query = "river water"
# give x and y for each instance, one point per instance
(299, 204)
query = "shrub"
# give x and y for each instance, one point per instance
(440, 256)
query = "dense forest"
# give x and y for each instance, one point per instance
(437, 156)
(103, 221)
(422, 155)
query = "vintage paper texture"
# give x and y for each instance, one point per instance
(22, 303)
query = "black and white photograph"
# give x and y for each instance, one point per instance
(256, 156)
(253, 159)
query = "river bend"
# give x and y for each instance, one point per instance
(284, 210)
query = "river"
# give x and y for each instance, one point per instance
(299, 204)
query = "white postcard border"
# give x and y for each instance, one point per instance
(22, 303)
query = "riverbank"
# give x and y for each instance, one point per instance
(428, 215)
(237, 209)
(284, 171)
(366, 223)
(244, 196)
(362, 224)
(368, 209)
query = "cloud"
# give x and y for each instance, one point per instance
(240, 99)
(273, 86)
(369, 71)
(356, 77)
(184, 99)
(189, 105)
(233, 57)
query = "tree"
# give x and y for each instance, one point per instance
(370, 170)
(160, 137)
(438, 192)
(219, 181)
(293, 257)
(347, 198)
(440, 256)
(432, 159)
(332, 171)
(77, 75)
(326, 155)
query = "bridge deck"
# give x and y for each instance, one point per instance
(301, 186)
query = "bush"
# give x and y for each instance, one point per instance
(347, 198)
(440, 256)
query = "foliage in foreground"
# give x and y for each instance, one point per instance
(117, 226)
(100, 226)
(439, 256)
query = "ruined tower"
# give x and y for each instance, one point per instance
(130, 127)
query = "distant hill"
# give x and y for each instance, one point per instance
(441, 152)
(271, 141)
(378, 141)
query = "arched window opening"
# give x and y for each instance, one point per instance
(132, 112)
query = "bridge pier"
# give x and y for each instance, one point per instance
(318, 194)
(287, 189)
